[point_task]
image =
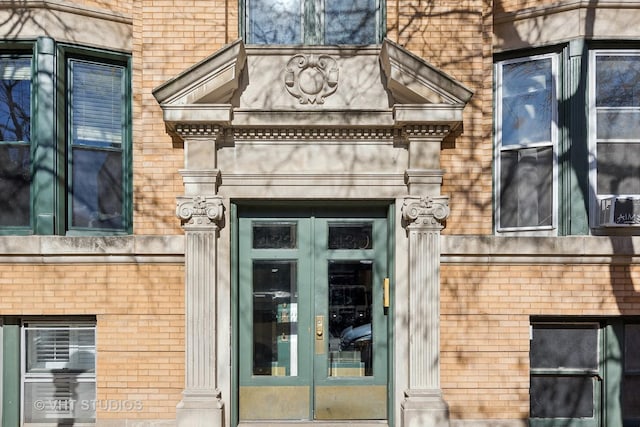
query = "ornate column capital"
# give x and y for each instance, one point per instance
(200, 211)
(425, 211)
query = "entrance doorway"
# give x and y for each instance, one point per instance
(313, 301)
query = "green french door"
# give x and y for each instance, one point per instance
(312, 315)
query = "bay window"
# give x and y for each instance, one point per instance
(65, 140)
(15, 139)
(614, 117)
(312, 22)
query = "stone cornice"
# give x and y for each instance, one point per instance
(312, 133)
(564, 6)
(540, 250)
(190, 130)
(62, 6)
(423, 131)
(92, 249)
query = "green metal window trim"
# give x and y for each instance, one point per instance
(49, 130)
(575, 188)
(611, 371)
(67, 53)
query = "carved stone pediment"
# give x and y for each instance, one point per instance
(312, 86)
(412, 80)
(211, 81)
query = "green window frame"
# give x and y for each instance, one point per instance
(312, 22)
(584, 372)
(79, 172)
(614, 140)
(15, 137)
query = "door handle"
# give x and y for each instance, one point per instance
(385, 293)
(319, 335)
(319, 327)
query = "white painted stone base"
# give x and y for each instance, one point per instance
(424, 408)
(135, 423)
(489, 423)
(199, 410)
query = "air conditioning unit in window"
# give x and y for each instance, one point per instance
(620, 212)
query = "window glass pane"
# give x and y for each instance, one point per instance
(63, 400)
(97, 189)
(526, 187)
(527, 96)
(350, 327)
(618, 171)
(97, 104)
(271, 235)
(15, 99)
(631, 397)
(350, 236)
(561, 397)
(350, 22)
(564, 346)
(275, 318)
(274, 21)
(15, 184)
(618, 124)
(63, 348)
(632, 348)
(617, 81)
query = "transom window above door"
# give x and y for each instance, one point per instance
(312, 22)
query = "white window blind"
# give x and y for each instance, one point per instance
(97, 104)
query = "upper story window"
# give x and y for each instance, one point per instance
(313, 22)
(526, 140)
(15, 145)
(65, 151)
(614, 134)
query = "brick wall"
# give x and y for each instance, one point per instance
(169, 37)
(140, 325)
(455, 36)
(485, 317)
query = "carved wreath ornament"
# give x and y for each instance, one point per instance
(311, 78)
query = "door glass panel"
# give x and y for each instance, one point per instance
(275, 318)
(274, 235)
(350, 328)
(350, 236)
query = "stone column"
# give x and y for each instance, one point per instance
(423, 405)
(201, 403)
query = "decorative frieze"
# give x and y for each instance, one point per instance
(311, 78)
(186, 130)
(200, 211)
(312, 133)
(425, 211)
(413, 131)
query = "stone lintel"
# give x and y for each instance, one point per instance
(424, 181)
(202, 181)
